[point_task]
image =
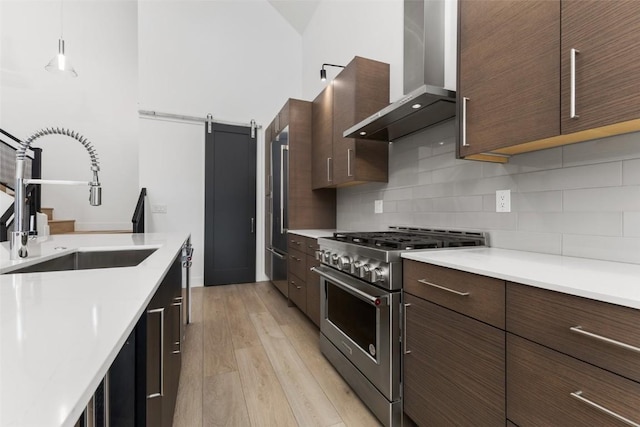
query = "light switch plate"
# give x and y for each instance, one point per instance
(159, 209)
(503, 201)
(377, 206)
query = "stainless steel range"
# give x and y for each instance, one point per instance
(361, 317)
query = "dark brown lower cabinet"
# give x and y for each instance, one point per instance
(546, 387)
(159, 353)
(298, 292)
(303, 284)
(454, 368)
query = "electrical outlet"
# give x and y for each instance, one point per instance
(159, 209)
(503, 201)
(377, 206)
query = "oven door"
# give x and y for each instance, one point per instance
(362, 322)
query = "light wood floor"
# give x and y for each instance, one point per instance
(250, 360)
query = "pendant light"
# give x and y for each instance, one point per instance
(60, 63)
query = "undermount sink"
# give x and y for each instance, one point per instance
(87, 260)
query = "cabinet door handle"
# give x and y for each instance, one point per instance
(296, 286)
(349, 151)
(579, 330)
(178, 304)
(404, 330)
(578, 395)
(572, 113)
(464, 122)
(453, 291)
(329, 169)
(295, 258)
(106, 403)
(161, 391)
(283, 148)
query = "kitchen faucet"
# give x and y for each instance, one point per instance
(20, 237)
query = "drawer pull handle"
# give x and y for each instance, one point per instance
(453, 291)
(295, 258)
(579, 330)
(578, 395)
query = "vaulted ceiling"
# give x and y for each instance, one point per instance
(297, 12)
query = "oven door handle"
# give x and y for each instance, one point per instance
(373, 300)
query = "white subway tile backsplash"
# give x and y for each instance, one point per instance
(549, 243)
(458, 173)
(404, 206)
(540, 201)
(433, 190)
(424, 151)
(614, 199)
(447, 145)
(592, 176)
(631, 172)
(425, 177)
(623, 249)
(433, 220)
(631, 224)
(458, 204)
(484, 186)
(589, 223)
(602, 150)
(485, 220)
(530, 162)
(423, 205)
(397, 194)
(579, 200)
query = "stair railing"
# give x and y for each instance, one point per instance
(33, 193)
(138, 214)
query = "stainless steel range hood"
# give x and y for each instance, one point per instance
(426, 102)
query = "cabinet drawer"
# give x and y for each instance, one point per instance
(313, 291)
(297, 263)
(298, 292)
(477, 296)
(540, 383)
(548, 317)
(311, 246)
(296, 242)
(455, 371)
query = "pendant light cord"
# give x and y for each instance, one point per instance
(61, 19)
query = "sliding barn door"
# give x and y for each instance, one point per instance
(230, 205)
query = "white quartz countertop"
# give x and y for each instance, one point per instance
(314, 234)
(60, 331)
(613, 282)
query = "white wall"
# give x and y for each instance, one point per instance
(101, 42)
(238, 60)
(340, 30)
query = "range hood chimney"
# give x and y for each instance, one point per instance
(426, 102)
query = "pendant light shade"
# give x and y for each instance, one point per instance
(60, 63)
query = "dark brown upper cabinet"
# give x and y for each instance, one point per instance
(361, 89)
(515, 70)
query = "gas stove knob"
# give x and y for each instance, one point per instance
(356, 266)
(377, 275)
(344, 263)
(365, 271)
(319, 254)
(334, 259)
(326, 257)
